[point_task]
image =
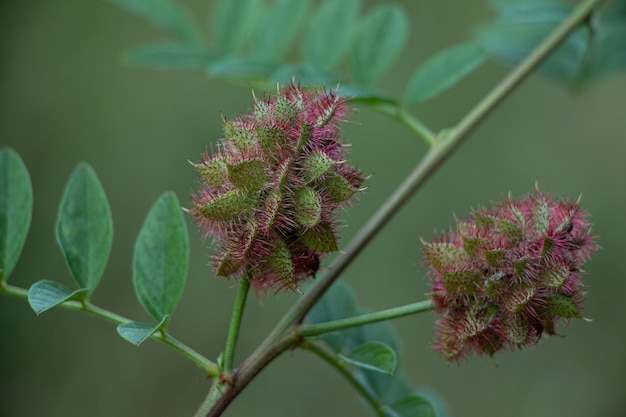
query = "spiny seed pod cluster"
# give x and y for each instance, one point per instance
(508, 274)
(271, 190)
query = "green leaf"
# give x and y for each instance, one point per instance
(84, 228)
(521, 27)
(364, 95)
(161, 257)
(609, 53)
(16, 207)
(170, 56)
(412, 405)
(166, 14)
(442, 71)
(379, 40)
(278, 28)
(374, 356)
(303, 74)
(330, 33)
(246, 68)
(43, 295)
(337, 303)
(137, 333)
(321, 238)
(233, 23)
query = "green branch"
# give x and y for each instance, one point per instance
(210, 367)
(437, 154)
(408, 120)
(307, 330)
(235, 323)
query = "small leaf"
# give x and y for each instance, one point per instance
(170, 56)
(228, 206)
(308, 207)
(43, 295)
(281, 265)
(442, 71)
(234, 21)
(316, 164)
(161, 257)
(84, 228)
(563, 306)
(338, 188)
(245, 68)
(379, 40)
(137, 333)
(248, 175)
(321, 238)
(304, 74)
(365, 95)
(374, 356)
(279, 26)
(413, 405)
(337, 303)
(16, 207)
(166, 14)
(330, 32)
(521, 27)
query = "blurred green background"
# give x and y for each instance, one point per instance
(65, 97)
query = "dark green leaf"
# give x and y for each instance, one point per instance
(43, 295)
(170, 56)
(442, 71)
(234, 21)
(609, 53)
(412, 405)
(330, 32)
(161, 257)
(522, 27)
(278, 28)
(337, 303)
(373, 356)
(166, 14)
(379, 40)
(136, 333)
(16, 207)
(84, 228)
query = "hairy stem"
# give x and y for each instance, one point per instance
(202, 362)
(307, 330)
(235, 323)
(274, 344)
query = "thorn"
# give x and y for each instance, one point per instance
(254, 96)
(588, 320)
(368, 177)
(537, 184)
(342, 252)
(362, 189)
(419, 236)
(579, 199)
(186, 210)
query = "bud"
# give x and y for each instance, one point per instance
(271, 193)
(508, 274)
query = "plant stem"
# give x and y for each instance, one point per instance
(235, 323)
(332, 361)
(408, 120)
(274, 344)
(307, 330)
(210, 367)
